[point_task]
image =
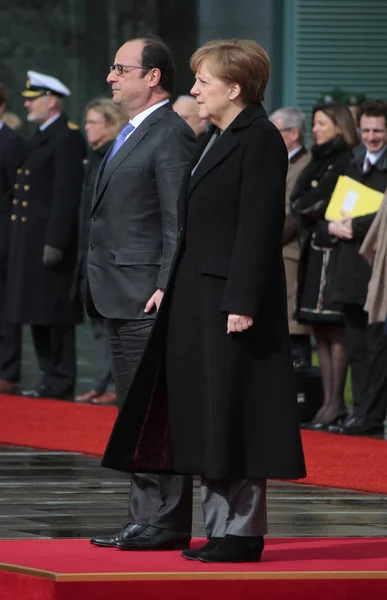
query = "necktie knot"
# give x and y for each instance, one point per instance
(367, 165)
(120, 139)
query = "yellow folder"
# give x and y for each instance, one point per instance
(352, 197)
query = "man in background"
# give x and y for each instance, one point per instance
(43, 240)
(291, 123)
(12, 152)
(187, 108)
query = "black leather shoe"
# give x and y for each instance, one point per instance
(234, 548)
(109, 541)
(360, 427)
(192, 554)
(155, 538)
(43, 391)
(338, 426)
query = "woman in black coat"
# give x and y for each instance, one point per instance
(335, 135)
(102, 123)
(214, 394)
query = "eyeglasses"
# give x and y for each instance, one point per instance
(119, 69)
(285, 129)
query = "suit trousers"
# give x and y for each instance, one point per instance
(104, 380)
(163, 501)
(55, 351)
(374, 407)
(356, 324)
(234, 507)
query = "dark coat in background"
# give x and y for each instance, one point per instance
(309, 201)
(12, 153)
(352, 272)
(229, 400)
(45, 211)
(91, 167)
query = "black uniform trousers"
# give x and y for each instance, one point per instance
(367, 355)
(163, 501)
(10, 342)
(56, 355)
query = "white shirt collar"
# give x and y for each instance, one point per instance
(374, 156)
(49, 122)
(138, 119)
(294, 152)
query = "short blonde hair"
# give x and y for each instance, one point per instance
(237, 61)
(113, 114)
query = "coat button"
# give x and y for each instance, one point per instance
(17, 186)
(24, 203)
(94, 217)
(24, 219)
(26, 187)
(19, 171)
(14, 201)
(13, 217)
(28, 172)
(92, 246)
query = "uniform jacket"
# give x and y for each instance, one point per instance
(352, 272)
(133, 222)
(12, 152)
(236, 415)
(45, 206)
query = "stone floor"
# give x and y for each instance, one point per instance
(57, 494)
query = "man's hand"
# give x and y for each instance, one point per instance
(238, 323)
(51, 256)
(154, 301)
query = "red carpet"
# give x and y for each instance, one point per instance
(340, 568)
(332, 460)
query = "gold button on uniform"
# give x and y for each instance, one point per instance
(24, 203)
(26, 187)
(19, 171)
(17, 186)
(13, 217)
(14, 201)
(28, 172)
(24, 219)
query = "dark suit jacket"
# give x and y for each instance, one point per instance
(133, 224)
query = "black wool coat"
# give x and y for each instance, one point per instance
(46, 199)
(202, 401)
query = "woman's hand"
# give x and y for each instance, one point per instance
(238, 323)
(341, 229)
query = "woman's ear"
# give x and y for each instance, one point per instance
(235, 90)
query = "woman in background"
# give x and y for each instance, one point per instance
(103, 121)
(334, 137)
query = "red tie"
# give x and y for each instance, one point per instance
(367, 166)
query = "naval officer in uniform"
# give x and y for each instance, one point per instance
(43, 241)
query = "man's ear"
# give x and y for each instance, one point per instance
(154, 77)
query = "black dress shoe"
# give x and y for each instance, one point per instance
(234, 548)
(110, 541)
(192, 554)
(155, 538)
(361, 427)
(43, 391)
(338, 426)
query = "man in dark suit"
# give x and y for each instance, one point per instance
(12, 151)
(133, 237)
(43, 241)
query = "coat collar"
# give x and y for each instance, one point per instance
(359, 155)
(302, 151)
(41, 137)
(136, 138)
(223, 146)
